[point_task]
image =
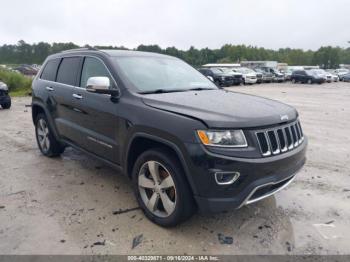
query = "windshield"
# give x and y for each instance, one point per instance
(226, 70)
(152, 74)
(311, 73)
(217, 70)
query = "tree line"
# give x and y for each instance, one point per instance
(325, 57)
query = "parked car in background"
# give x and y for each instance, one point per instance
(184, 144)
(341, 72)
(346, 78)
(278, 76)
(267, 77)
(220, 78)
(335, 77)
(322, 73)
(237, 77)
(5, 99)
(259, 77)
(306, 76)
(287, 74)
(249, 76)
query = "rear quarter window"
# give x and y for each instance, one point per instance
(68, 70)
(50, 70)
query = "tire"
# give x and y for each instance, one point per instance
(6, 105)
(181, 205)
(49, 146)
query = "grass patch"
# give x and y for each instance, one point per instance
(20, 92)
(18, 84)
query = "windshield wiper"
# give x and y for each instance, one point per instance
(161, 91)
(200, 89)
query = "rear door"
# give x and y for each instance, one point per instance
(66, 81)
(96, 114)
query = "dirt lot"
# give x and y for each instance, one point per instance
(66, 205)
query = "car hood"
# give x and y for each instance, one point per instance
(235, 74)
(223, 109)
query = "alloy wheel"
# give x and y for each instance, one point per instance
(43, 135)
(157, 189)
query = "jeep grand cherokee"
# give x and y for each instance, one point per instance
(184, 143)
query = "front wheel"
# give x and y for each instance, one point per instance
(6, 105)
(161, 188)
(47, 143)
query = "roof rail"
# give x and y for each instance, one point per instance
(80, 49)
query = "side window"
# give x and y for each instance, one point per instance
(68, 71)
(93, 67)
(50, 70)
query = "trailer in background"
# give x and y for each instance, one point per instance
(222, 65)
(258, 64)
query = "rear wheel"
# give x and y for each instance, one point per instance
(161, 188)
(47, 143)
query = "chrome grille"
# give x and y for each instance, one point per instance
(280, 139)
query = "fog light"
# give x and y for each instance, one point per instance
(226, 178)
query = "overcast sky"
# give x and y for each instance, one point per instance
(306, 24)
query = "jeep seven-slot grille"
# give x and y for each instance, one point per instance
(280, 139)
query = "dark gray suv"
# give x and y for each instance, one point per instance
(184, 143)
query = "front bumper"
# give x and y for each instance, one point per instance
(259, 178)
(230, 82)
(279, 79)
(250, 80)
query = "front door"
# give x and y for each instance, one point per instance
(96, 114)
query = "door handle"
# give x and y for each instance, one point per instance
(77, 96)
(49, 88)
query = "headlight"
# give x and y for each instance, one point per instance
(223, 138)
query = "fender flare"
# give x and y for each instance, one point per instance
(168, 143)
(48, 116)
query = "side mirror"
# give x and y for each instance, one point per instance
(100, 85)
(210, 78)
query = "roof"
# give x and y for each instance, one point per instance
(109, 52)
(131, 53)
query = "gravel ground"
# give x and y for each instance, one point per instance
(67, 205)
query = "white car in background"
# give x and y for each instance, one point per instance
(335, 77)
(249, 75)
(341, 72)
